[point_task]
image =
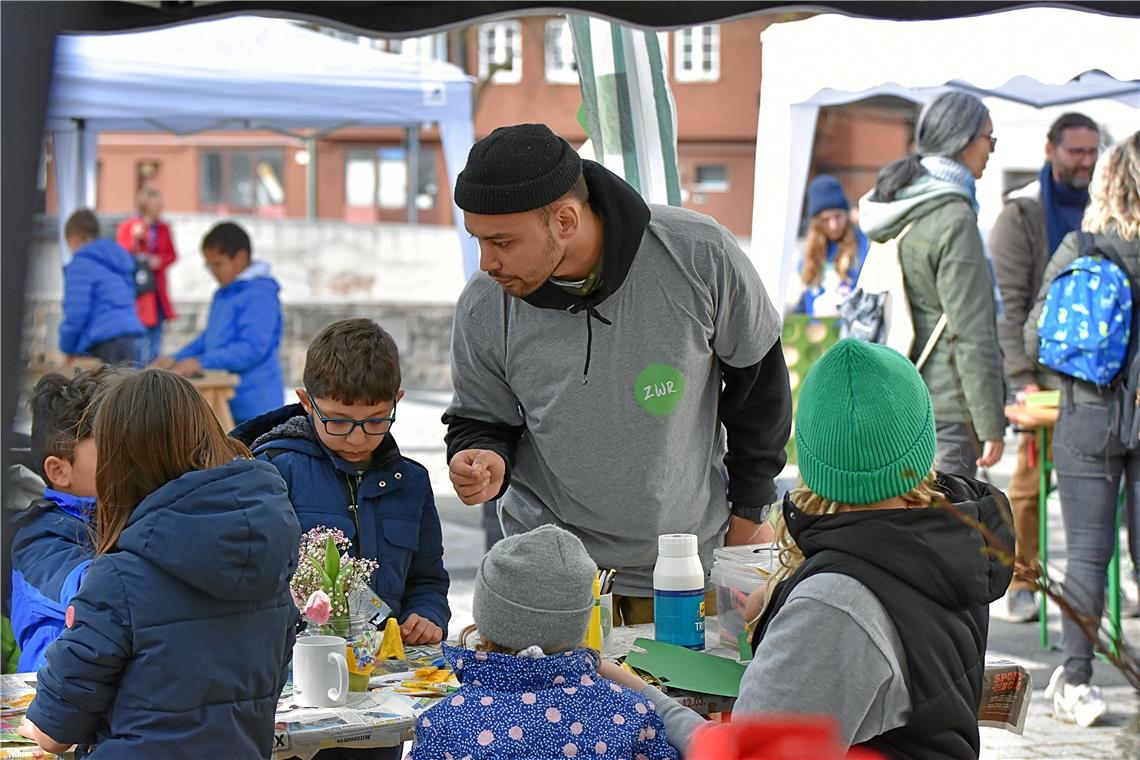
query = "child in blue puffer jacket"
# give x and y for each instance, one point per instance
(529, 689)
(51, 549)
(99, 314)
(178, 642)
(345, 471)
(243, 329)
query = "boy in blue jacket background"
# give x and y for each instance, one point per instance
(344, 470)
(51, 548)
(243, 329)
(99, 315)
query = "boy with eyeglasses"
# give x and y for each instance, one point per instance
(345, 471)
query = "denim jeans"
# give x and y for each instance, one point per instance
(1089, 461)
(958, 449)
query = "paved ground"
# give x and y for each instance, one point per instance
(420, 434)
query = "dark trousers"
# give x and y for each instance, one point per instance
(125, 349)
(1090, 461)
(958, 449)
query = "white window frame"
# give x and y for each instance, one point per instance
(558, 31)
(690, 66)
(492, 38)
(710, 187)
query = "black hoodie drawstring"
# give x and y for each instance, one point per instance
(591, 313)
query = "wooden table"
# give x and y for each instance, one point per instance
(216, 386)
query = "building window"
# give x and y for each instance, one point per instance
(241, 180)
(561, 67)
(711, 178)
(696, 54)
(500, 50)
(378, 178)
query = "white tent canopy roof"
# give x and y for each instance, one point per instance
(831, 59)
(243, 73)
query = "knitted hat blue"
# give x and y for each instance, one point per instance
(864, 424)
(825, 193)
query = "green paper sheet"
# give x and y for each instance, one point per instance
(681, 668)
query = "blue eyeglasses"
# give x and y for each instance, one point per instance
(343, 427)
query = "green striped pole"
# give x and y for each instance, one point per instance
(628, 108)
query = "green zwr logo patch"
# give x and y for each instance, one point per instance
(658, 389)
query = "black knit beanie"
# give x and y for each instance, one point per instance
(517, 168)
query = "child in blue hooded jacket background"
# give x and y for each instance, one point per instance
(178, 642)
(243, 329)
(99, 316)
(51, 548)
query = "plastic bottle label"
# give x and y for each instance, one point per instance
(679, 617)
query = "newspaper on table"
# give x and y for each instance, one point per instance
(17, 690)
(369, 719)
(1006, 691)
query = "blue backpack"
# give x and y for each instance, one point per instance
(1085, 327)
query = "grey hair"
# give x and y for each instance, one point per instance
(945, 127)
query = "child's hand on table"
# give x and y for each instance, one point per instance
(30, 730)
(420, 630)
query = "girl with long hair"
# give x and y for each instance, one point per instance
(833, 252)
(178, 640)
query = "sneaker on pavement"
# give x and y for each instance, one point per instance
(1021, 606)
(1077, 703)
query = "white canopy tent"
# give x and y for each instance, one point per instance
(244, 73)
(1035, 56)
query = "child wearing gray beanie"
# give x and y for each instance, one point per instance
(535, 589)
(530, 688)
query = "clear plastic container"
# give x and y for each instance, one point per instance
(737, 572)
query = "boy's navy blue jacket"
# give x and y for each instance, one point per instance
(51, 552)
(398, 522)
(98, 297)
(243, 335)
(178, 642)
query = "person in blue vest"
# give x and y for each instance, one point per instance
(833, 252)
(99, 315)
(344, 470)
(178, 642)
(243, 330)
(51, 548)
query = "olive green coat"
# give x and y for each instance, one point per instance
(945, 271)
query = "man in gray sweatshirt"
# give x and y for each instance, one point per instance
(617, 368)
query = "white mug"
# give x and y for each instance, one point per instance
(318, 667)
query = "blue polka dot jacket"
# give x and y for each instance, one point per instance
(551, 707)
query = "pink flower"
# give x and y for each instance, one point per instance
(318, 607)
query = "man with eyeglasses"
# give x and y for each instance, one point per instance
(1027, 232)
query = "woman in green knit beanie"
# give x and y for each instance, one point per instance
(879, 612)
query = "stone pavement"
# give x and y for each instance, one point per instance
(420, 434)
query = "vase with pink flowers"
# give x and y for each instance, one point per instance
(325, 579)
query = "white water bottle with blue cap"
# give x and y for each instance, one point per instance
(679, 592)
